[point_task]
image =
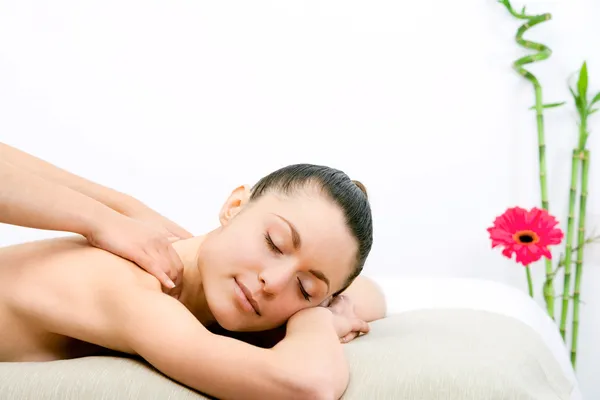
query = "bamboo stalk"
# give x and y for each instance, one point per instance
(579, 264)
(584, 110)
(543, 53)
(569, 246)
(548, 283)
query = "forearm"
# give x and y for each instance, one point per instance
(311, 349)
(168, 336)
(116, 200)
(31, 201)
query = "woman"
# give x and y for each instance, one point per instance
(293, 242)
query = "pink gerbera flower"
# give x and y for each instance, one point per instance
(528, 234)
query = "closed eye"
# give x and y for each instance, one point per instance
(272, 245)
(276, 250)
(303, 291)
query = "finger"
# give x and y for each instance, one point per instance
(176, 264)
(173, 239)
(158, 268)
(165, 280)
(348, 337)
(146, 260)
(162, 277)
(366, 328)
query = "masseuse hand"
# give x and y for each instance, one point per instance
(347, 325)
(144, 242)
(37, 194)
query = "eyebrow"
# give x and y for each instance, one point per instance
(297, 243)
(320, 276)
(295, 235)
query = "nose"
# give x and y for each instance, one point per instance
(276, 278)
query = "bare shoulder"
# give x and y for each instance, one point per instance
(69, 261)
(65, 286)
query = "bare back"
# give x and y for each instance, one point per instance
(41, 280)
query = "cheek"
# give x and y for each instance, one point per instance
(233, 250)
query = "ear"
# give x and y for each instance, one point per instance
(234, 204)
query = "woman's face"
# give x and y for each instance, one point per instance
(273, 257)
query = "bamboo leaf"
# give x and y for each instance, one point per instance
(595, 99)
(573, 93)
(577, 99)
(582, 84)
(593, 110)
(550, 105)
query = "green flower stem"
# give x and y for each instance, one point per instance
(580, 240)
(529, 281)
(543, 53)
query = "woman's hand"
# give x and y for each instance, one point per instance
(147, 245)
(347, 325)
(42, 196)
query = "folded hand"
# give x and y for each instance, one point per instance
(348, 326)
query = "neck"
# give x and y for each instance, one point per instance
(192, 294)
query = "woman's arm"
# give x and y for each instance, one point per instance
(308, 363)
(120, 202)
(30, 201)
(119, 307)
(109, 197)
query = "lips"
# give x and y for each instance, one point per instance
(249, 297)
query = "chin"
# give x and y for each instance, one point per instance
(223, 307)
(231, 320)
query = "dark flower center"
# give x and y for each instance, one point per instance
(525, 238)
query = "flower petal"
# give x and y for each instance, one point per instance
(546, 253)
(508, 252)
(526, 256)
(498, 235)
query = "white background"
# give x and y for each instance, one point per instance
(177, 102)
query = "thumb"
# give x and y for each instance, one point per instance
(173, 239)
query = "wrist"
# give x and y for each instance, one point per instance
(111, 198)
(311, 319)
(97, 219)
(311, 337)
